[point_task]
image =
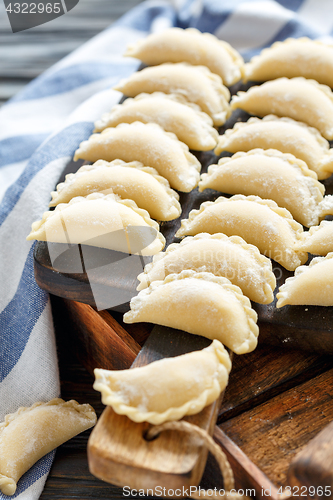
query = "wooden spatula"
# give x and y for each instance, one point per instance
(117, 449)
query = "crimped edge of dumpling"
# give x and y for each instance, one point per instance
(275, 153)
(99, 164)
(303, 243)
(216, 81)
(264, 262)
(7, 484)
(316, 189)
(288, 41)
(325, 165)
(235, 55)
(133, 49)
(282, 295)
(95, 196)
(193, 163)
(206, 122)
(251, 315)
(282, 212)
(175, 413)
(322, 142)
(241, 94)
(177, 98)
(84, 409)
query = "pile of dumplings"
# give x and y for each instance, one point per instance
(141, 157)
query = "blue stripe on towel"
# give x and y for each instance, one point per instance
(291, 4)
(63, 144)
(19, 317)
(19, 148)
(73, 77)
(141, 17)
(39, 470)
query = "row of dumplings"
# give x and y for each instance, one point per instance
(301, 193)
(204, 284)
(298, 69)
(201, 285)
(224, 314)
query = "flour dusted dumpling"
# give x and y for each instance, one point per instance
(30, 433)
(274, 175)
(131, 181)
(190, 45)
(199, 303)
(196, 83)
(259, 222)
(303, 100)
(103, 221)
(172, 112)
(230, 257)
(167, 389)
(318, 240)
(291, 58)
(284, 134)
(312, 285)
(149, 144)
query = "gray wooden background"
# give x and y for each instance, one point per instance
(26, 54)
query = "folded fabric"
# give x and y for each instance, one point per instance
(42, 127)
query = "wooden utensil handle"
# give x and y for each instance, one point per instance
(312, 468)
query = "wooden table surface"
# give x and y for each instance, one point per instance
(265, 406)
(277, 399)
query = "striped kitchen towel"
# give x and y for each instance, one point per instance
(40, 129)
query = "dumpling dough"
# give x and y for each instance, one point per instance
(270, 174)
(312, 285)
(259, 222)
(303, 100)
(131, 181)
(149, 144)
(190, 45)
(172, 112)
(199, 303)
(230, 257)
(284, 134)
(30, 433)
(318, 240)
(166, 389)
(291, 58)
(196, 83)
(101, 221)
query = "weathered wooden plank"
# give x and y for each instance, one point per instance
(266, 372)
(248, 477)
(28, 53)
(273, 432)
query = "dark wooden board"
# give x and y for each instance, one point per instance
(271, 433)
(305, 327)
(262, 374)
